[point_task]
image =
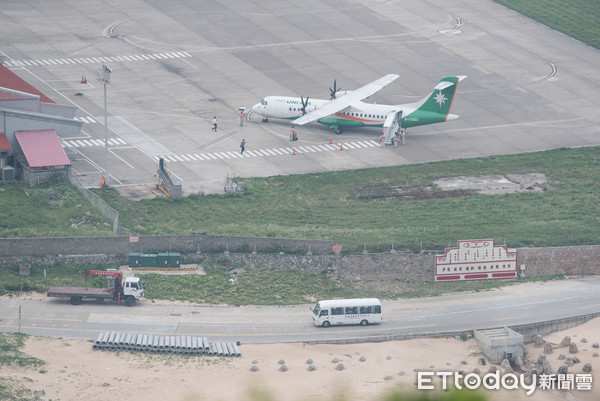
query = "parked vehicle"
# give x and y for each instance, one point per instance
(128, 292)
(361, 311)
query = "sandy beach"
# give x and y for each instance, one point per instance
(74, 371)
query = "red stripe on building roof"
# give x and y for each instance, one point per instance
(42, 148)
(10, 80)
(4, 143)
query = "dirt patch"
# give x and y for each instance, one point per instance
(494, 184)
(403, 193)
(138, 192)
(456, 187)
(275, 183)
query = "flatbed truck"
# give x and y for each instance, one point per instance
(129, 291)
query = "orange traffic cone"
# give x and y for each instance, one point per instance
(341, 146)
(83, 79)
(293, 152)
(330, 141)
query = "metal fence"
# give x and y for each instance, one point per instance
(99, 204)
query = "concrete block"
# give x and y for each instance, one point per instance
(501, 343)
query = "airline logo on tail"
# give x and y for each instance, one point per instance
(440, 99)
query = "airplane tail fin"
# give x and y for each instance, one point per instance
(435, 107)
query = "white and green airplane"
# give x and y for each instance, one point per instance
(346, 109)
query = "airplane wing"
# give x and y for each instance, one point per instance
(341, 103)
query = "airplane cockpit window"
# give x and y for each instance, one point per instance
(264, 102)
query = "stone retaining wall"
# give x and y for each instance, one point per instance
(284, 254)
(548, 261)
(122, 245)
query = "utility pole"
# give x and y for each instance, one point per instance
(105, 79)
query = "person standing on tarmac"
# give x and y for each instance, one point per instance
(243, 146)
(214, 128)
(293, 134)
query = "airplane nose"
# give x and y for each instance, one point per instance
(253, 109)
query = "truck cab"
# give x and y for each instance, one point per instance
(133, 287)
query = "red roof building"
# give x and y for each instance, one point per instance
(42, 148)
(41, 157)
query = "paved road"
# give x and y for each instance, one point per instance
(175, 66)
(516, 304)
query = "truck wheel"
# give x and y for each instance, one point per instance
(364, 323)
(75, 300)
(326, 323)
(130, 301)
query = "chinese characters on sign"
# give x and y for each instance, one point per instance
(476, 260)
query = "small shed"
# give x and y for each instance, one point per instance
(41, 156)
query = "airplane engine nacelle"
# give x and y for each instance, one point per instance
(342, 93)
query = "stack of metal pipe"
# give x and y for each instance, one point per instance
(189, 345)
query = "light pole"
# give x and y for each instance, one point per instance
(105, 79)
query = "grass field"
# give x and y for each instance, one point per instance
(579, 19)
(341, 207)
(52, 210)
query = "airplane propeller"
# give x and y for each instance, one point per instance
(304, 104)
(334, 90)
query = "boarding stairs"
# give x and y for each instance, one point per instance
(392, 126)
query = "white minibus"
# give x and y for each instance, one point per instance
(361, 311)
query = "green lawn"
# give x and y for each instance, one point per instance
(579, 19)
(55, 209)
(337, 206)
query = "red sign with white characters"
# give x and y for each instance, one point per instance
(476, 259)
